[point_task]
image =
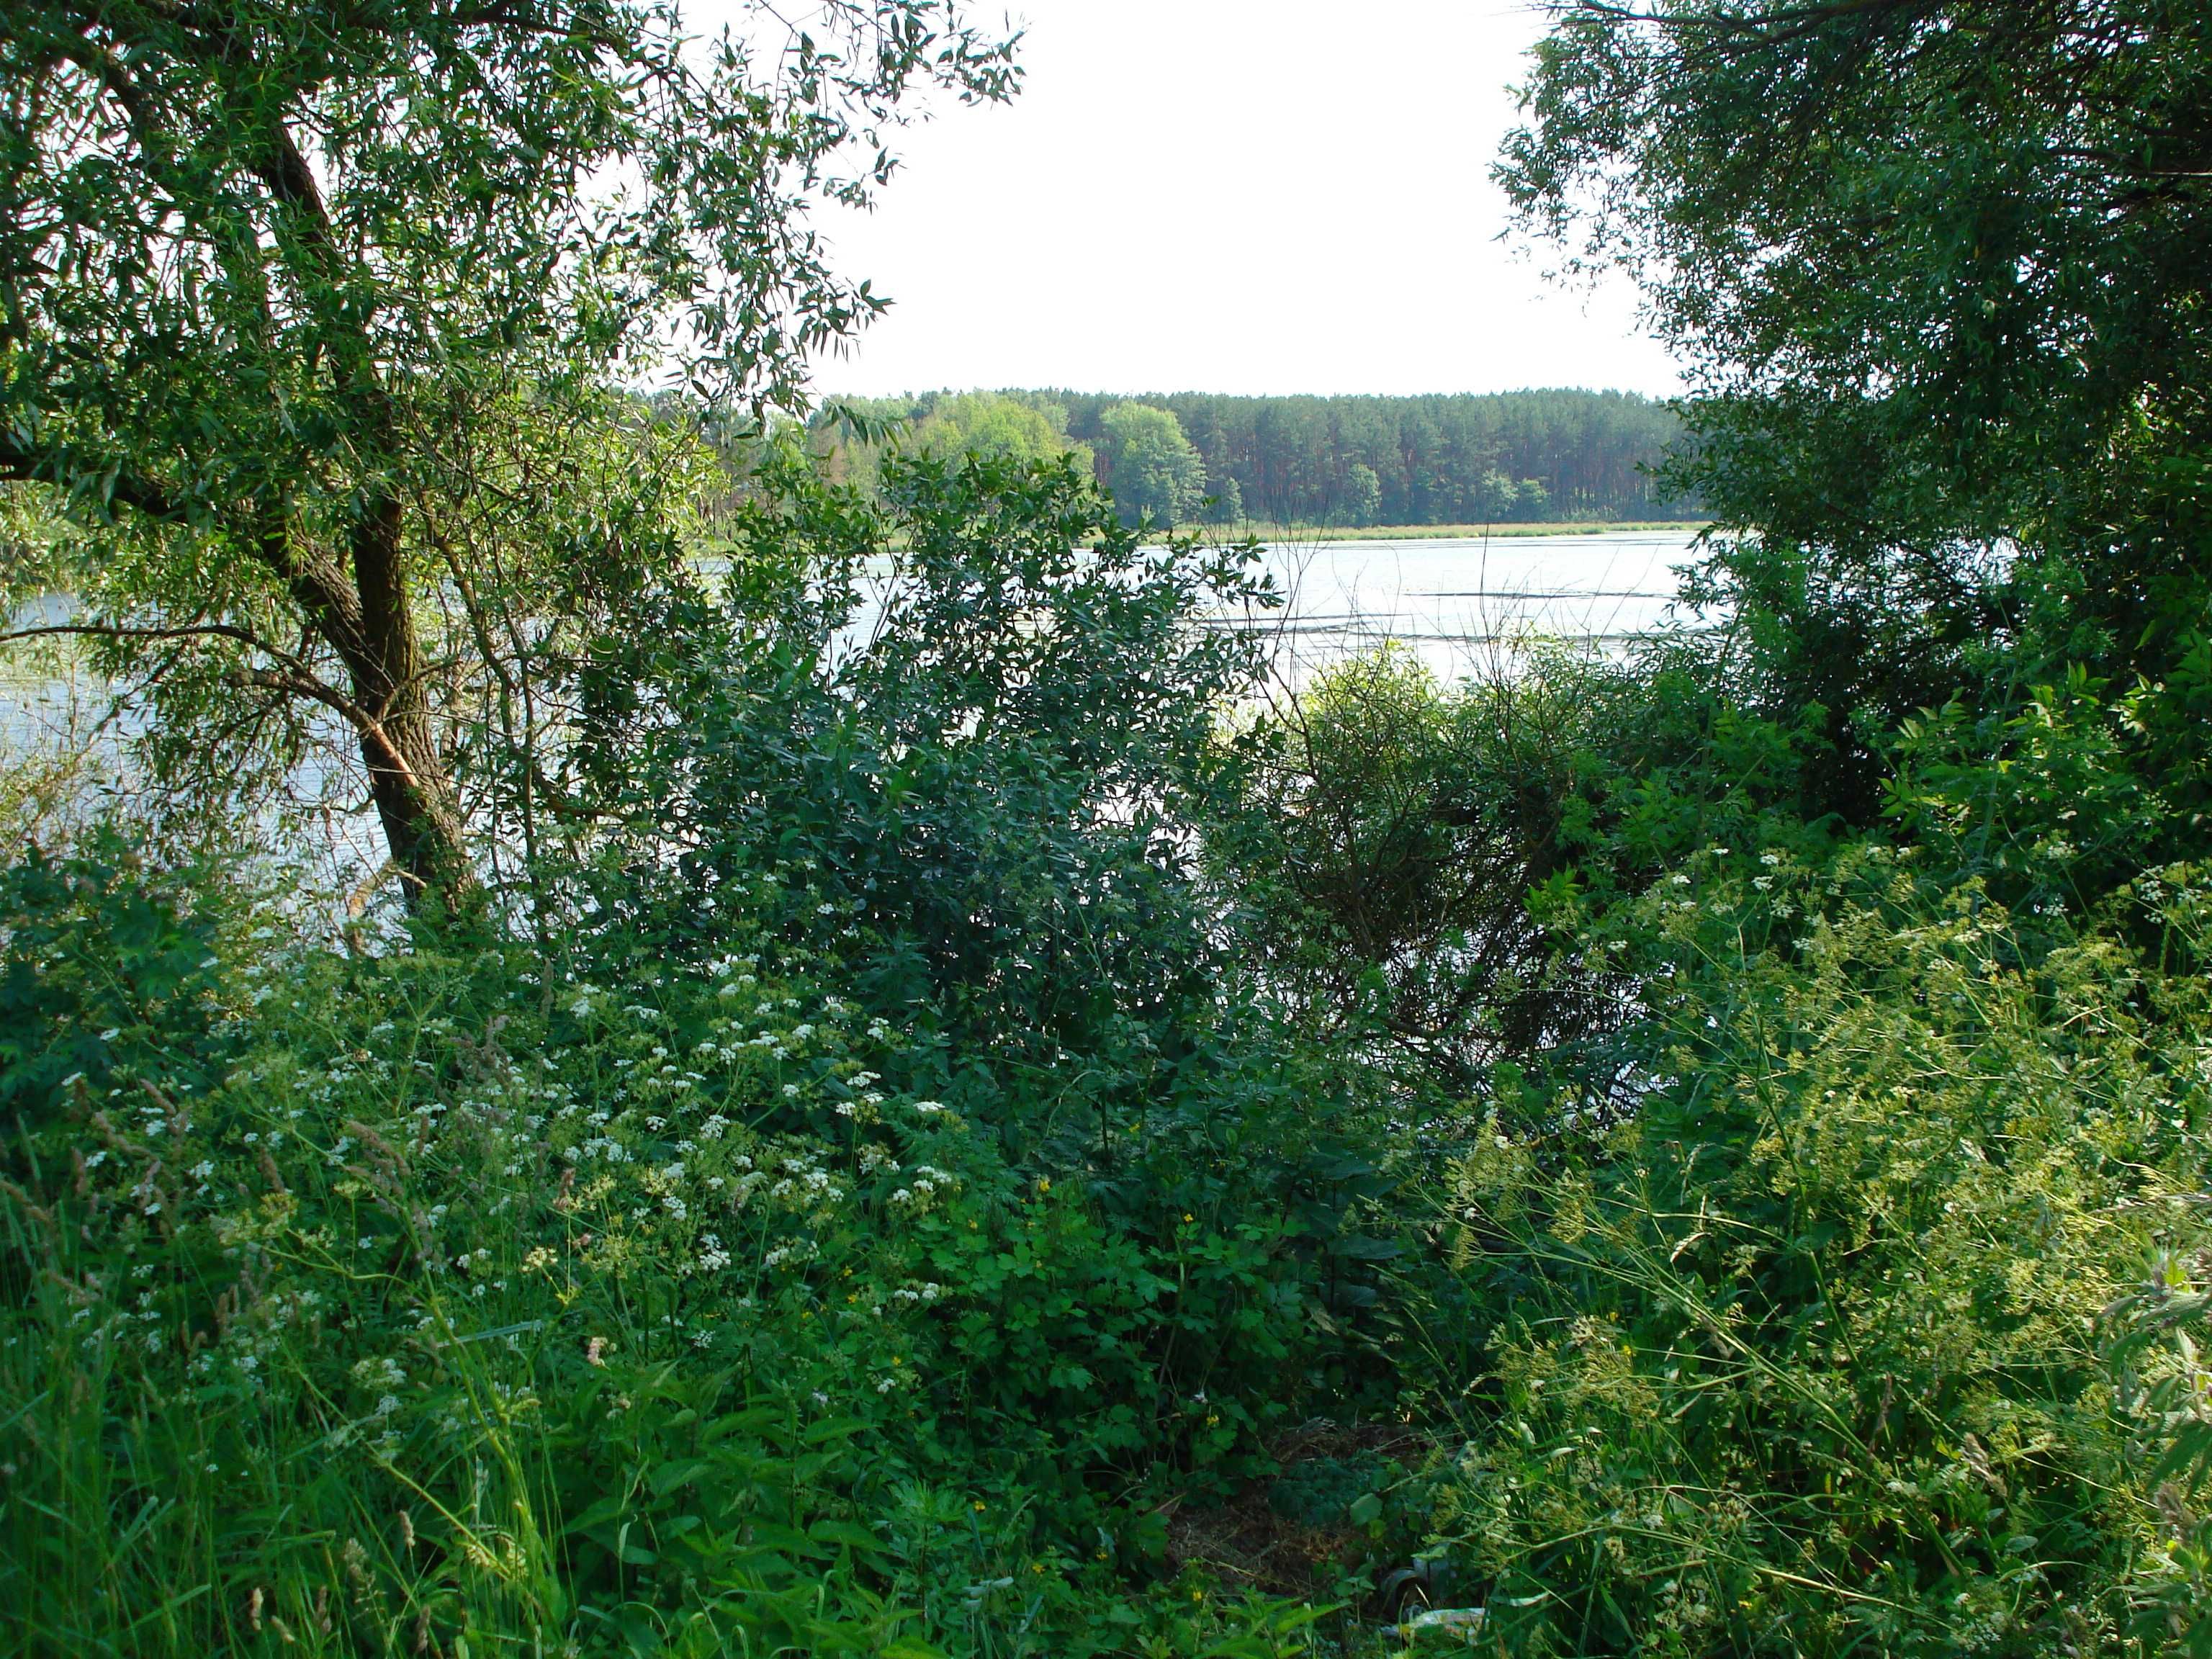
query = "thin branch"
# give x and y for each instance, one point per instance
(296, 679)
(119, 631)
(26, 465)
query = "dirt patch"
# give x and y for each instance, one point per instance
(1258, 1541)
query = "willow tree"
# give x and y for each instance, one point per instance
(1939, 268)
(323, 322)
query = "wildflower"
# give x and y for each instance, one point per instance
(593, 1349)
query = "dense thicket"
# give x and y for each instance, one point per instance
(1501, 458)
(1823, 1262)
(956, 1126)
(846, 1210)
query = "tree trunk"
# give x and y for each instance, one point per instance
(415, 796)
(372, 626)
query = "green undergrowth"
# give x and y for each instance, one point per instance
(845, 1203)
(459, 1301)
(1817, 1352)
(1819, 1214)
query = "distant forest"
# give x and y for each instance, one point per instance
(1515, 457)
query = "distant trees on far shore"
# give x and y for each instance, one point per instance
(1515, 457)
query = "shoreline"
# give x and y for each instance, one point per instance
(1426, 532)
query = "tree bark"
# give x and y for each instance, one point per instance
(415, 798)
(372, 627)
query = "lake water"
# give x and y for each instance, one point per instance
(1456, 602)
(1459, 601)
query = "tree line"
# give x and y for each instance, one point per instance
(1513, 456)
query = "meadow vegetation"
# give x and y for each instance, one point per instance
(887, 1098)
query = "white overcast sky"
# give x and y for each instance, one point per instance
(1238, 196)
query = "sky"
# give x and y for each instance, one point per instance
(1234, 196)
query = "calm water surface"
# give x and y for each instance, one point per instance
(1458, 601)
(1455, 601)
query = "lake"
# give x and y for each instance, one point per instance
(1455, 601)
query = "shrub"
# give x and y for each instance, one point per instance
(1806, 1357)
